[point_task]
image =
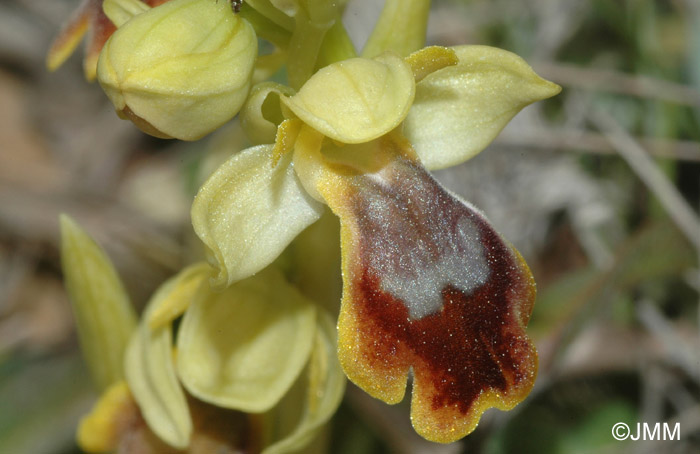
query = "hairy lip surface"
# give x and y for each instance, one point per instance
(420, 244)
(431, 286)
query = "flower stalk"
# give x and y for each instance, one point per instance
(400, 29)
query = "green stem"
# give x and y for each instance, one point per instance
(400, 29)
(316, 262)
(304, 48)
(270, 12)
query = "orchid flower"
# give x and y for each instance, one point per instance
(430, 289)
(429, 286)
(259, 348)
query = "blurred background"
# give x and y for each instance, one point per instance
(599, 188)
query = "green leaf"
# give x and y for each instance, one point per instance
(103, 313)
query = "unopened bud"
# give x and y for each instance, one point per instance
(181, 69)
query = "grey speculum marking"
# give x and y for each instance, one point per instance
(420, 239)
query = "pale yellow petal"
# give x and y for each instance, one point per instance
(243, 348)
(103, 313)
(286, 137)
(323, 392)
(460, 109)
(186, 286)
(427, 60)
(261, 113)
(150, 374)
(356, 100)
(248, 211)
(309, 164)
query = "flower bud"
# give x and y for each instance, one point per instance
(181, 69)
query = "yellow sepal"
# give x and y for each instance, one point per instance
(248, 211)
(460, 109)
(243, 348)
(150, 373)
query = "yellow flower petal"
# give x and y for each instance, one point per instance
(322, 393)
(261, 113)
(243, 348)
(308, 161)
(103, 313)
(150, 373)
(248, 211)
(286, 137)
(356, 100)
(460, 109)
(186, 286)
(183, 68)
(430, 59)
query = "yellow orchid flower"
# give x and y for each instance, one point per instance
(429, 287)
(428, 283)
(243, 360)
